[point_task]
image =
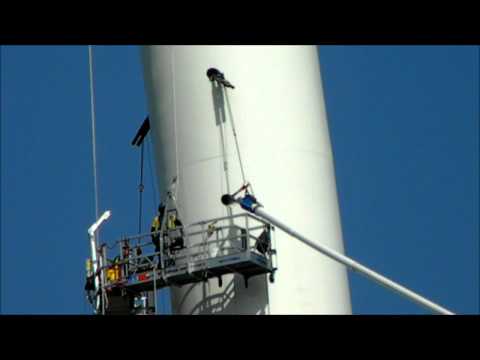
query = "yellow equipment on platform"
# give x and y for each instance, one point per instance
(114, 273)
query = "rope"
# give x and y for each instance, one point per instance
(140, 192)
(158, 308)
(235, 136)
(175, 119)
(237, 146)
(150, 169)
(177, 166)
(224, 154)
(94, 151)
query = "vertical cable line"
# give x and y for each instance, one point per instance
(235, 136)
(177, 161)
(140, 192)
(151, 171)
(177, 174)
(94, 150)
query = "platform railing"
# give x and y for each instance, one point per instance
(203, 240)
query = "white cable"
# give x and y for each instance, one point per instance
(151, 170)
(224, 153)
(96, 234)
(224, 145)
(92, 109)
(177, 169)
(235, 137)
(175, 119)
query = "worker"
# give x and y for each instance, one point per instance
(113, 272)
(90, 283)
(263, 244)
(175, 231)
(90, 288)
(126, 257)
(141, 262)
(156, 226)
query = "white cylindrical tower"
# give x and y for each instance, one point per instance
(279, 115)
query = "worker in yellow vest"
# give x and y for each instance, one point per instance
(114, 272)
(175, 231)
(156, 226)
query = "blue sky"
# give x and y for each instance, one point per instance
(404, 128)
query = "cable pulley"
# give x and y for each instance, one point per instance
(215, 75)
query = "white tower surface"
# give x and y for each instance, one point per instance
(280, 119)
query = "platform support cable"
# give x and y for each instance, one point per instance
(215, 75)
(235, 136)
(93, 120)
(140, 191)
(94, 155)
(150, 168)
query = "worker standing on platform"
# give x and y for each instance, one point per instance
(156, 226)
(175, 231)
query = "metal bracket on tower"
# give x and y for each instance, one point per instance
(215, 75)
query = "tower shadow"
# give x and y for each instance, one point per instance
(226, 302)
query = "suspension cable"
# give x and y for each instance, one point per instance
(94, 151)
(150, 169)
(177, 170)
(235, 135)
(140, 192)
(236, 139)
(96, 235)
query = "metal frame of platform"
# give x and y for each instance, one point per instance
(213, 248)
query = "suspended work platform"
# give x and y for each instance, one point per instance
(239, 244)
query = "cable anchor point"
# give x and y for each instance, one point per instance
(215, 75)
